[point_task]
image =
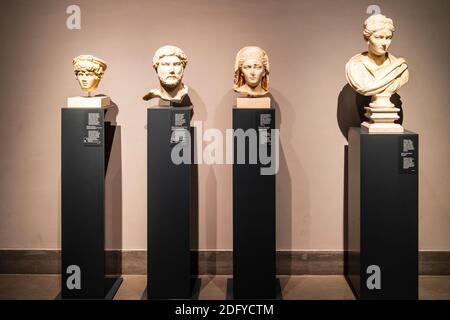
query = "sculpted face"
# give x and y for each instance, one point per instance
(253, 71)
(89, 71)
(88, 80)
(169, 63)
(380, 41)
(170, 71)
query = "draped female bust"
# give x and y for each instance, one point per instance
(379, 74)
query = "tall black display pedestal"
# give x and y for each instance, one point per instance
(254, 258)
(170, 232)
(382, 245)
(86, 145)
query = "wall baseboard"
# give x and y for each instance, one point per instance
(210, 262)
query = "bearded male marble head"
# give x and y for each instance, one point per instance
(169, 63)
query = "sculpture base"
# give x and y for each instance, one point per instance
(86, 142)
(382, 223)
(88, 102)
(171, 212)
(254, 215)
(253, 103)
(382, 127)
(382, 113)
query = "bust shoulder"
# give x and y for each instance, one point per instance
(358, 58)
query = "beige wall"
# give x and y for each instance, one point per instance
(308, 43)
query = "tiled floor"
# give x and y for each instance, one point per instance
(215, 287)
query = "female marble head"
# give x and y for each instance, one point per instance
(169, 63)
(378, 32)
(251, 71)
(89, 71)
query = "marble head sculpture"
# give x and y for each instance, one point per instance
(169, 63)
(89, 71)
(378, 74)
(251, 72)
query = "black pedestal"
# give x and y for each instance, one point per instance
(254, 260)
(382, 243)
(85, 144)
(170, 198)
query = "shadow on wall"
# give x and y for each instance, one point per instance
(224, 174)
(211, 220)
(193, 219)
(350, 113)
(345, 214)
(350, 109)
(113, 193)
(199, 114)
(285, 117)
(199, 107)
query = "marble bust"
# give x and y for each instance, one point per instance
(89, 71)
(378, 74)
(169, 63)
(251, 72)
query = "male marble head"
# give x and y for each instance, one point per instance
(89, 71)
(251, 72)
(169, 63)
